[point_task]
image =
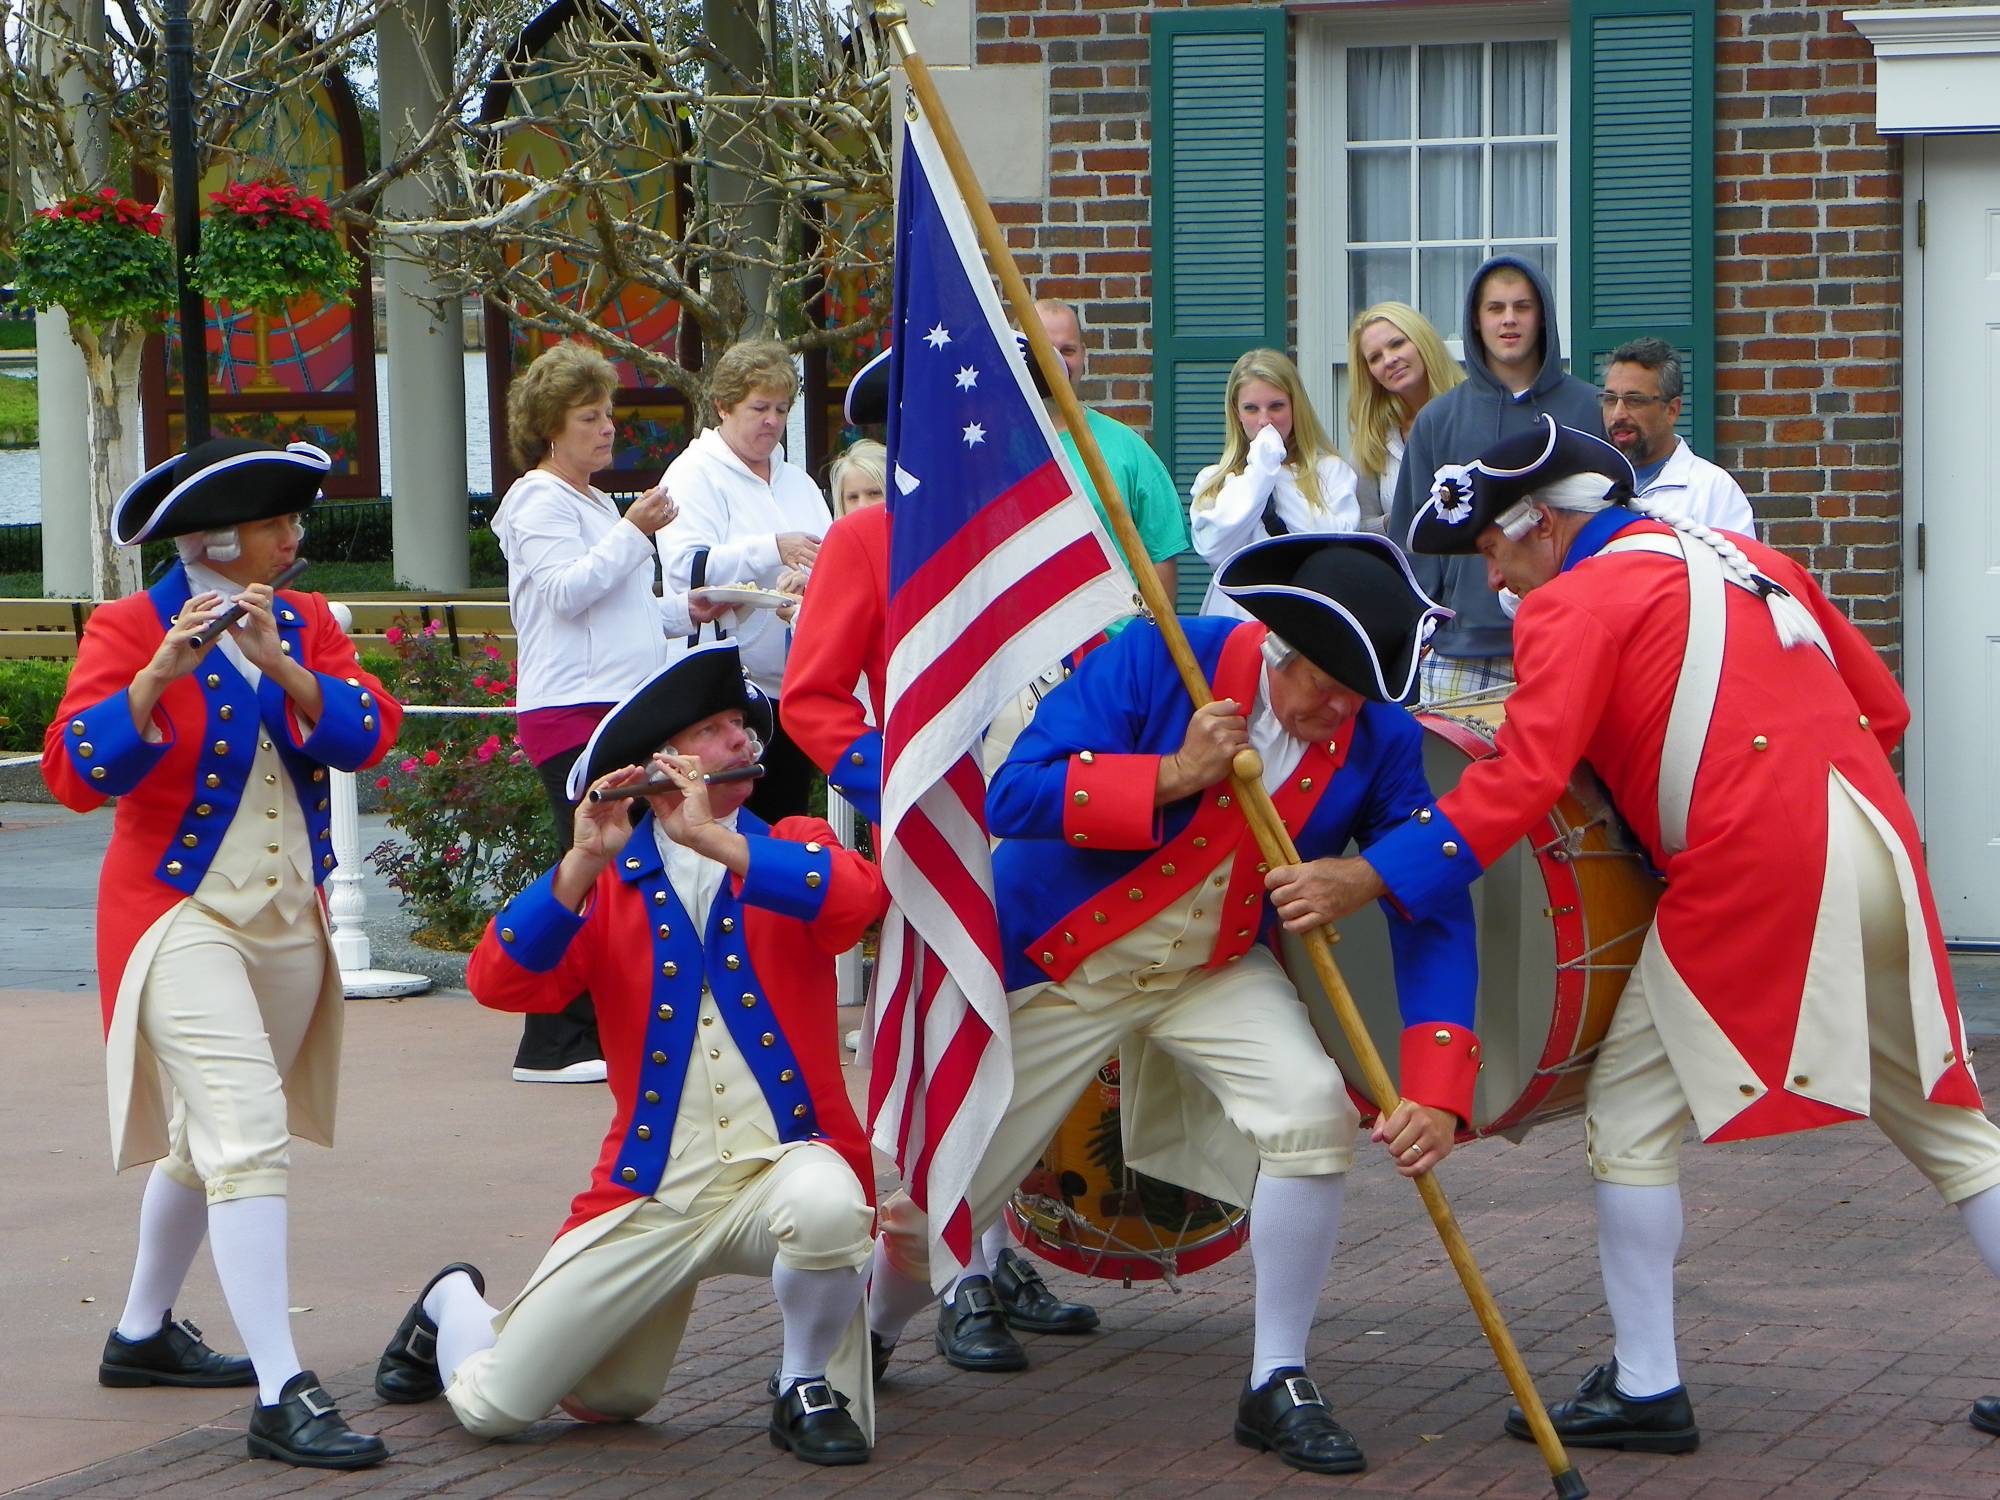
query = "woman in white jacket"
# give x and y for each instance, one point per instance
(1279, 472)
(748, 516)
(588, 624)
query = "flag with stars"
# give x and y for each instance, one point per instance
(998, 566)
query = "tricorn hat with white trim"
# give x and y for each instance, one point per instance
(866, 403)
(706, 680)
(1345, 600)
(1465, 499)
(223, 482)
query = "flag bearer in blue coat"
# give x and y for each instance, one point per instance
(1134, 913)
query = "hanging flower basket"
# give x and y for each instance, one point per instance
(98, 257)
(265, 243)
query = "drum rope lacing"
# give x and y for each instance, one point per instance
(1102, 1244)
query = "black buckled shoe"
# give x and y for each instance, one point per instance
(1287, 1416)
(307, 1429)
(1986, 1414)
(811, 1422)
(1028, 1303)
(972, 1331)
(173, 1356)
(1599, 1416)
(408, 1370)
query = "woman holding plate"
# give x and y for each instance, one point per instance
(749, 528)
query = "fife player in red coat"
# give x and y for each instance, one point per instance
(1795, 975)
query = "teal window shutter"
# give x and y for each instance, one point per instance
(1219, 219)
(1642, 185)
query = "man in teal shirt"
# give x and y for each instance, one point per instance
(1137, 471)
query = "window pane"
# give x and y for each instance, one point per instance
(1542, 256)
(1524, 189)
(1378, 94)
(1448, 193)
(1378, 276)
(1378, 195)
(1524, 88)
(1448, 91)
(1444, 277)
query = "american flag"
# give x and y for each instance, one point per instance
(998, 566)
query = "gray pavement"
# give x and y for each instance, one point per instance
(1835, 1322)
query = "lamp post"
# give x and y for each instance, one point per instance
(187, 220)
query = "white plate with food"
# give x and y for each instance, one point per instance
(742, 596)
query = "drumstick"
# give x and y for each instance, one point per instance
(212, 631)
(1273, 841)
(661, 784)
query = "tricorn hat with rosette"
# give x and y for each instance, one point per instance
(223, 482)
(706, 680)
(1465, 499)
(1345, 600)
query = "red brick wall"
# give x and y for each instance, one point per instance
(1808, 252)
(1808, 298)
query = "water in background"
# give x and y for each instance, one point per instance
(20, 468)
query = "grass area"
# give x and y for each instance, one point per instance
(19, 424)
(17, 333)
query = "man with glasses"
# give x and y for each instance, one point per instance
(1642, 402)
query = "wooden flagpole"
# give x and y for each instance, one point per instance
(1272, 838)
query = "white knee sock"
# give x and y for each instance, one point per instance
(818, 1306)
(1981, 1213)
(893, 1298)
(1638, 1234)
(995, 1240)
(464, 1321)
(172, 1220)
(976, 1265)
(1294, 1224)
(247, 1239)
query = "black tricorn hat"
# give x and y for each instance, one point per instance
(220, 483)
(1345, 600)
(867, 401)
(707, 680)
(1465, 499)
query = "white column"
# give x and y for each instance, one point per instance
(347, 901)
(425, 329)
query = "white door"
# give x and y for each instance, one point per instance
(1961, 515)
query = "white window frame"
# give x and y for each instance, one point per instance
(1323, 37)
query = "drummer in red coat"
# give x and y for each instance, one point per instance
(1795, 975)
(708, 940)
(214, 961)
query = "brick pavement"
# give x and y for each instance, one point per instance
(1835, 1327)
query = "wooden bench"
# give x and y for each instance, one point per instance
(49, 629)
(41, 629)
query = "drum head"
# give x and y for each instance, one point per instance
(1517, 967)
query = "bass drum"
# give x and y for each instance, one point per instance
(1561, 918)
(1083, 1209)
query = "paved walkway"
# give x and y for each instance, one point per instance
(1835, 1322)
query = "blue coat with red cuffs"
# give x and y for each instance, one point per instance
(1085, 857)
(767, 956)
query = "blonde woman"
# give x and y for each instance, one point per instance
(1396, 362)
(860, 476)
(1279, 472)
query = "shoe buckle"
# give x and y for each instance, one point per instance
(422, 1344)
(316, 1401)
(186, 1326)
(814, 1396)
(1302, 1391)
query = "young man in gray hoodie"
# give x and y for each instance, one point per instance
(1513, 365)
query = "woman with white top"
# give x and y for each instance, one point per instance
(1396, 362)
(1279, 472)
(588, 624)
(749, 517)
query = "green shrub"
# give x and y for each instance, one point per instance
(30, 692)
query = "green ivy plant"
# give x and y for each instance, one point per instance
(98, 257)
(265, 243)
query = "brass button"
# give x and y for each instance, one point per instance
(1069, 937)
(1197, 914)
(728, 925)
(506, 934)
(1201, 843)
(644, 1132)
(630, 1174)
(1047, 957)
(270, 848)
(222, 747)
(659, 1057)
(270, 778)
(1449, 849)
(1305, 783)
(1799, 1080)
(1251, 899)
(726, 1156)
(723, 1122)
(76, 727)
(1219, 882)
(271, 812)
(368, 721)
(798, 1112)
(1135, 894)
(319, 773)
(708, 1020)
(188, 841)
(1243, 932)
(660, 899)
(787, 1076)
(811, 848)
(749, 999)
(1423, 815)
(1760, 743)
(720, 1089)
(652, 1096)
(670, 968)
(664, 930)
(812, 879)
(1166, 869)
(367, 699)
(1223, 800)
(1746, 1089)
(632, 864)
(214, 679)
(265, 745)
(1099, 917)
(86, 750)
(320, 806)
(1441, 1037)
(211, 781)
(226, 712)
(1088, 757)
(325, 834)
(858, 758)
(202, 809)
(97, 773)
(768, 1040)
(1263, 868)
(666, 1012)
(173, 867)
(1079, 838)
(1080, 798)
(286, 647)
(1863, 721)
(327, 863)
(731, 961)
(270, 880)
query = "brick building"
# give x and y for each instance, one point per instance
(1204, 177)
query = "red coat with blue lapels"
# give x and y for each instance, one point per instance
(767, 956)
(177, 796)
(1755, 989)
(1085, 857)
